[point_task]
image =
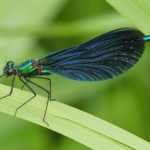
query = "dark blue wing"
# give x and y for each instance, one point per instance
(104, 57)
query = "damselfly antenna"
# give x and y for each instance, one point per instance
(1, 75)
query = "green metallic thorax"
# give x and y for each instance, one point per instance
(28, 69)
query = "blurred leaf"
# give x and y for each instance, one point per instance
(25, 13)
(137, 11)
(77, 9)
(82, 27)
(80, 126)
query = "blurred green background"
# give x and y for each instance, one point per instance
(34, 28)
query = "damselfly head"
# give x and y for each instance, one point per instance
(9, 68)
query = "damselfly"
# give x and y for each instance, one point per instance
(101, 58)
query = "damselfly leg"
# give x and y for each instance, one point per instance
(12, 86)
(34, 94)
(48, 99)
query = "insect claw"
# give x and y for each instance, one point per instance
(46, 122)
(15, 113)
(22, 87)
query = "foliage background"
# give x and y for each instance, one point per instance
(34, 28)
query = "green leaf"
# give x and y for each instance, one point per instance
(137, 11)
(89, 130)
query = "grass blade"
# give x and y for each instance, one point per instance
(89, 130)
(136, 11)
